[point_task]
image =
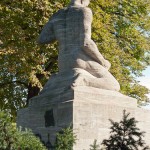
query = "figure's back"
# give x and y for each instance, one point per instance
(71, 26)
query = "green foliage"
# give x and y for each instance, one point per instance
(94, 146)
(13, 139)
(25, 66)
(125, 135)
(65, 139)
(121, 30)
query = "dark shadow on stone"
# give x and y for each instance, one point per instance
(49, 118)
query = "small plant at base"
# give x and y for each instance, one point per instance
(94, 146)
(65, 139)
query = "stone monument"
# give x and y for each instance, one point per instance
(83, 93)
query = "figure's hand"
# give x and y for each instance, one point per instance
(107, 64)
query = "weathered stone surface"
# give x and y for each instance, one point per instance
(88, 109)
(79, 58)
(92, 122)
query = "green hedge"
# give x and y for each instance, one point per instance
(12, 138)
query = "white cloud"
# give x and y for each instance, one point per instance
(145, 81)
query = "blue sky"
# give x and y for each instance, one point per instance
(147, 72)
(145, 80)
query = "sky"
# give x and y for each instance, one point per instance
(145, 81)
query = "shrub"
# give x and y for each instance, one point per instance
(15, 139)
(94, 146)
(65, 139)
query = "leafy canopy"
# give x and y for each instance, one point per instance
(121, 29)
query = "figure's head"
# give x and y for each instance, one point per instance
(83, 3)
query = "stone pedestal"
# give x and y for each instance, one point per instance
(88, 109)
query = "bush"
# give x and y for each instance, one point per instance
(94, 146)
(65, 139)
(15, 139)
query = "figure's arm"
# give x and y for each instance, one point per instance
(90, 47)
(91, 50)
(47, 35)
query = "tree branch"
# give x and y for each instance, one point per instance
(47, 68)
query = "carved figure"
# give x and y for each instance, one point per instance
(80, 62)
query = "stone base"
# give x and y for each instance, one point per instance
(87, 109)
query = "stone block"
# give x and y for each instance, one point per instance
(88, 109)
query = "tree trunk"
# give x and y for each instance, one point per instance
(32, 91)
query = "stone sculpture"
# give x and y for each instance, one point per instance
(80, 62)
(83, 93)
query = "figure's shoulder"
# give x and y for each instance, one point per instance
(87, 10)
(60, 12)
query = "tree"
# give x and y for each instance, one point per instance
(94, 146)
(120, 28)
(65, 139)
(15, 139)
(125, 135)
(123, 39)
